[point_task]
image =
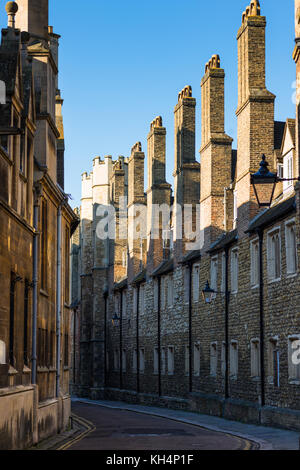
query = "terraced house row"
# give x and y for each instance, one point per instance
(208, 321)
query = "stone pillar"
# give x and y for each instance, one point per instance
(255, 113)
(33, 17)
(216, 153)
(118, 194)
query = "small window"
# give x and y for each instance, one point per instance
(124, 360)
(142, 299)
(186, 285)
(2, 353)
(134, 360)
(234, 270)
(255, 358)
(274, 255)
(163, 361)
(273, 362)
(142, 361)
(291, 248)
(197, 359)
(116, 360)
(294, 358)
(170, 291)
(288, 170)
(170, 360)
(235, 209)
(196, 283)
(280, 170)
(213, 359)
(214, 274)
(187, 360)
(155, 295)
(254, 263)
(155, 360)
(234, 360)
(223, 359)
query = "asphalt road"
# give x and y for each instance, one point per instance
(126, 430)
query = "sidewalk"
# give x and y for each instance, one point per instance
(268, 438)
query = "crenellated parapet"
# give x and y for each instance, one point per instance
(213, 63)
(185, 93)
(252, 10)
(136, 148)
(157, 122)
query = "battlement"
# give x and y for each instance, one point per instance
(157, 122)
(213, 63)
(86, 176)
(136, 148)
(185, 93)
(252, 10)
(97, 161)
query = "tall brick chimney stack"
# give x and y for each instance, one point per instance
(120, 245)
(255, 113)
(33, 17)
(187, 169)
(216, 150)
(136, 197)
(159, 191)
(296, 57)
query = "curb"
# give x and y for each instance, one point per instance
(89, 428)
(263, 445)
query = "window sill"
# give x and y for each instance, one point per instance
(273, 281)
(255, 379)
(294, 382)
(255, 287)
(291, 275)
(43, 370)
(44, 293)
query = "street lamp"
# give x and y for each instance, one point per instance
(264, 183)
(116, 320)
(208, 293)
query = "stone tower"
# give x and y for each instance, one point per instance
(158, 191)
(255, 112)
(187, 169)
(296, 57)
(215, 152)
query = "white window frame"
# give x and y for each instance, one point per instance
(170, 286)
(254, 272)
(293, 369)
(272, 348)
(213, 359)
(142, 361)
(2, 352)
(214, 265)
(171, 360)
(197, 359)
(288, 170)
(234, 256)
(233, 359)
(163, 361)
(235, 209)
(155, 360)
(196, 283)
(291, 251)
(271, 254)
(255, 358)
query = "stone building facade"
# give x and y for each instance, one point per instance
(36, 224)
(144, 333)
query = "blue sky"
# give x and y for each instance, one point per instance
(122, 63)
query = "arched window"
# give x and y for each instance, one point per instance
(2, 352)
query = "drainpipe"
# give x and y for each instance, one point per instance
(190, 330)
(121, 343)
(105, 339)
(34, 292)
(158, 337)
(261, 319)
(138, 341)
(227, 295)
(58, 302)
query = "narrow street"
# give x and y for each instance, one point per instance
(126, 430)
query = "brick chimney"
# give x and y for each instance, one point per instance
(255, 113)
(215, 152)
